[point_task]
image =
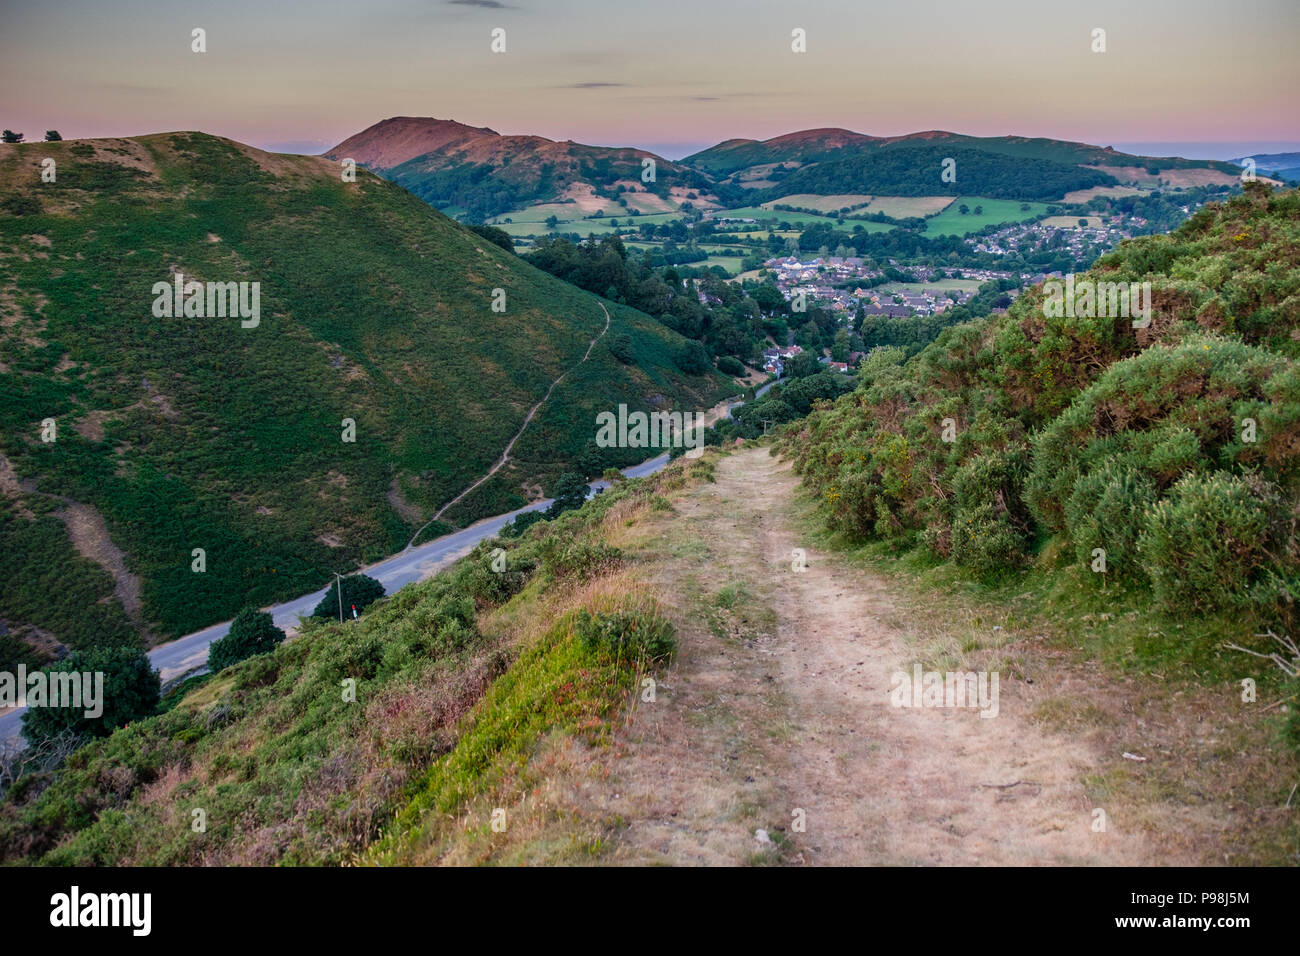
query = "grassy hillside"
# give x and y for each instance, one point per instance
(184, 433)
(462, 681)
(1174, 449)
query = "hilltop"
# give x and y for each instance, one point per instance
(376, 386)
(398, 139)
(481, 173)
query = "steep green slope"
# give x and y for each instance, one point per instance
(1172, 448)
(190, 432)
(458, 680)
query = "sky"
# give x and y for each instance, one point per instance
(671, 76)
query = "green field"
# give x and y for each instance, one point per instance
(532, 221)
(769, 218)
(951, 222)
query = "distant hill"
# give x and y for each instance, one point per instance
(392, 142)
(481, 173)
(532, 185)
(835, 161)
(1281, 165)
(177, 433)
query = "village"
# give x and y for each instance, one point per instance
(830, 282)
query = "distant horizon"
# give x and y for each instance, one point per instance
(1185, 149)
(673, 79)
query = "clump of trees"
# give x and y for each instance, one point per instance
(359, 591)
(130, 691)
(252, 632)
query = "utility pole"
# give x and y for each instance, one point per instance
(340, 587)
(766, 422)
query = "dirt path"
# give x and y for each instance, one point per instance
(505, 455)
(779, 701)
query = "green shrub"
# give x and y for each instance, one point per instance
(130, 691)
(620, 346)
(634, 634)
(730, 366)
(1108, 510)
(1204, 543)
(563, 557)
(521, 523)
(990, 524)
(252, 632)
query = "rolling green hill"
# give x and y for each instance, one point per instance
(177, 433)
(828, 162)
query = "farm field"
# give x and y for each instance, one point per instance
(904, 207)
(823, 204)
(1113, 192)
(800, 220)
(951, 222)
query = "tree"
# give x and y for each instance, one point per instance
(591, 462)
(252, 632)
(52, 136)
(692, 358)
(570, 492)
(979, 210)
(1083, 222)
(522, 523)
(963, 209)
(801, 365)
(552, 221)
(730, 366)
(130, 690)
(9, 136)
(359, 591)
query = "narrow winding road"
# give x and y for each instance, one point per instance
(411, 564)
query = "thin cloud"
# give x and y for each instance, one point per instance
(486, 4)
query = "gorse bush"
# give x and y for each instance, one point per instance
(1175, 448)
(563, 558)
(1108, 509)
(640, 635)
(1203, 544)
